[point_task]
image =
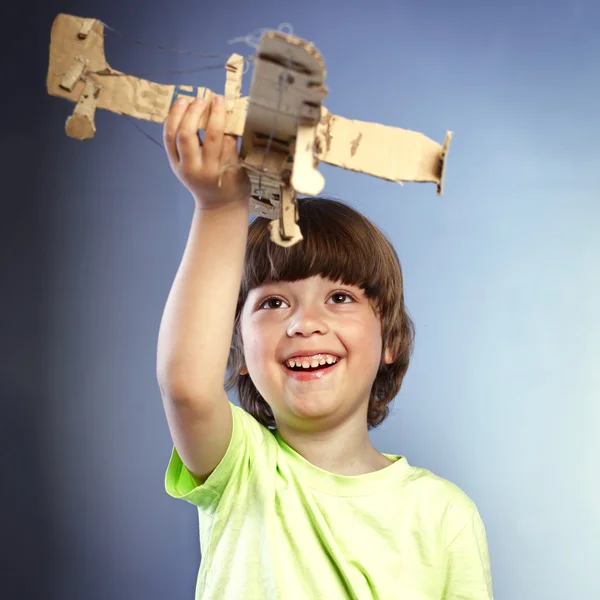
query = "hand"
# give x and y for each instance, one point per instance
(199, 165)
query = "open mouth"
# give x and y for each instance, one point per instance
(308, 372)
(310, 369)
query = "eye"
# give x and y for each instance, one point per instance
(272, 302)
(341, 297)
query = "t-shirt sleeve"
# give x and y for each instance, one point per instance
(467, 573)
(248, 438)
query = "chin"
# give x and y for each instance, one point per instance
(301, 411)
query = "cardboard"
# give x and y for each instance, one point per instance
(119, 93)
(278, 146)
(389, 153)
(285, 128)
(233, 84)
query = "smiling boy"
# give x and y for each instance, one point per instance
(294, 500)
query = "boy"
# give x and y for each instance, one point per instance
(294, 501)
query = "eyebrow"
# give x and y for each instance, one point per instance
(267, 287)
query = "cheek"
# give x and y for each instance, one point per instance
(258, 344)
(365, 329)
(365, 335)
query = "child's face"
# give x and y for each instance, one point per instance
(305, 318)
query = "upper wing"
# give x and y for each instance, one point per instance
(386, 152)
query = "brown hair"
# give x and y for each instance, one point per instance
(339, 244)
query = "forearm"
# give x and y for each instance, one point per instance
(197, 323)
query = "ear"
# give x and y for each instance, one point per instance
(388, 356)
(244, 370)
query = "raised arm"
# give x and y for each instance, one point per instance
(197, 324)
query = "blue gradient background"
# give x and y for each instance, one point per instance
(502, 279)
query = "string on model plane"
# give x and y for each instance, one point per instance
(285, 130)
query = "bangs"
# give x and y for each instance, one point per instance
(339, 244)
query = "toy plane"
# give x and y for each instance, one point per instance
(285, 130)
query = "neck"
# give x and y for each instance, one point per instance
(345, 450)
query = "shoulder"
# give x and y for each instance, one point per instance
(440, 490)
(444, 501)
(247, 428)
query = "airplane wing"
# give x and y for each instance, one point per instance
(77, 59)
(389, 153)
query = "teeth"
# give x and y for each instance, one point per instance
(312, 361)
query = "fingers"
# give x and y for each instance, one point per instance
(187, 140)
(209, 169)
(171, 127)
(213, 135)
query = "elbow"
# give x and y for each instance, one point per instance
(181, 388)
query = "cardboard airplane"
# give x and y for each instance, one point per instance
(284, 127)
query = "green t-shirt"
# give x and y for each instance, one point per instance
(275, 527)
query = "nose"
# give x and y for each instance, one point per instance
(305, 323)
